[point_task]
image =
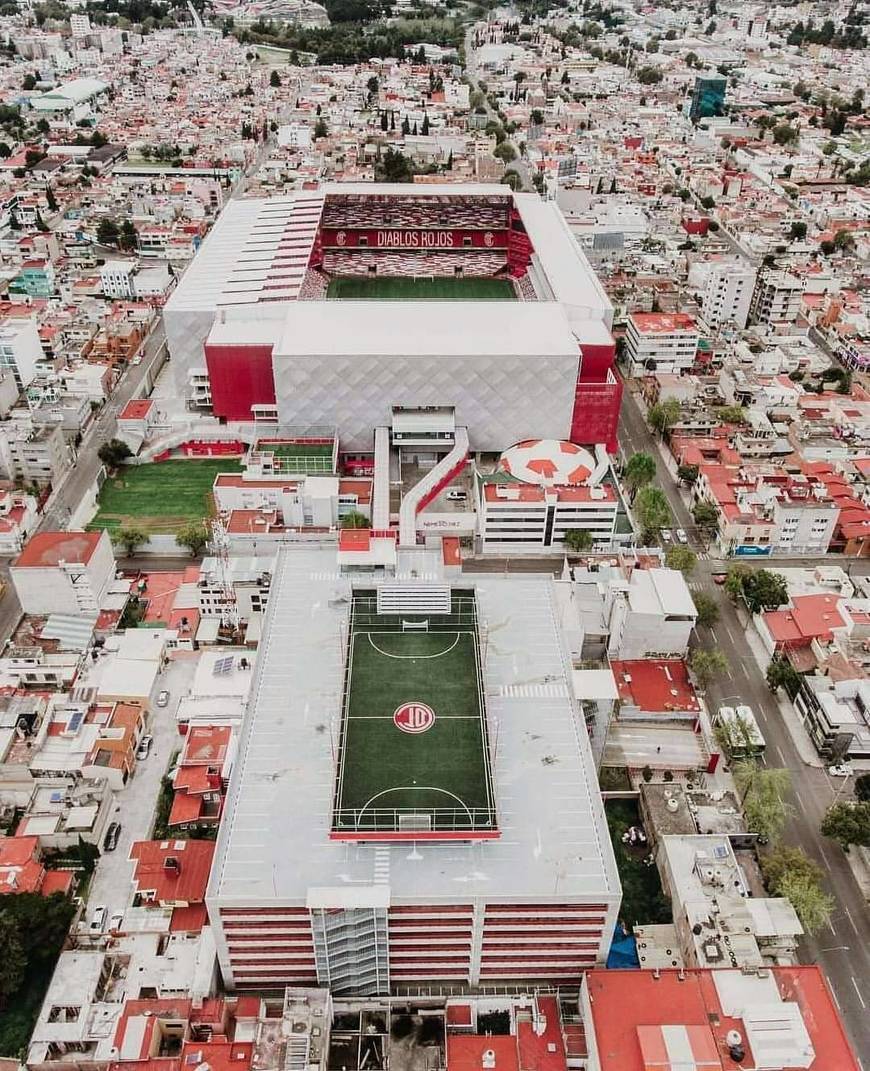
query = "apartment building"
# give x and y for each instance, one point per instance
(727, 294)
(660, 342)
(35, 455)
(20, 349)
(64, 572)
(776, 298)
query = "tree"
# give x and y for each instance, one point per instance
(812, 906)
(687, 474)
(50, 199)
(275, 80)
(12, 958)
(682, 558)
(193, 536)
(424, 130)
(708, 609)
(129, 537)
(648, 76)
(578, 539)
(731, 414)
(798, 230)
(129, 236)
(707, 664)
(373, 85)
(790, 872)
(664, 415)
(782, 674)
(653, 512)
(108, 232)
(762, 792)
(394, 167)
(647, 774)
(785, 134)
(764, 590)
(321, 130)
(354, 519)
(505, 151)
(29, 83)
(848, 823)
(706, 516)
(862, 788)
(844, 241)
(113, 452)
(639, 471)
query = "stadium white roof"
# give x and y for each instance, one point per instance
(274, 844)
(415, 328)
(258, 251)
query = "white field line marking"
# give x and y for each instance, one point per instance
(858, 991)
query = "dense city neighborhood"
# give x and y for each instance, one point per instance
(434, 535)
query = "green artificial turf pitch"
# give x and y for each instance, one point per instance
(444, 769)
(374, 288)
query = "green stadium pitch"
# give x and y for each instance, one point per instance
(421, 288)
(414, 755)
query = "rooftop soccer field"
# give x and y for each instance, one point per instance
(423, 288)
(414, 756)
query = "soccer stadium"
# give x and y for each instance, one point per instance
(414, 800)
(344, 305)
(414, 752)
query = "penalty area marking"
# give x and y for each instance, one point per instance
(407, 657)
(414, 788)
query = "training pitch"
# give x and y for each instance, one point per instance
(414, 754)
(427, 288)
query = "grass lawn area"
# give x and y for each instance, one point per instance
(643, 902)
(421, 289)
(160, 497)
(443, 768)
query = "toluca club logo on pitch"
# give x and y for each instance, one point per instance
(414, 717)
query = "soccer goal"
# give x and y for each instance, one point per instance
(415, 626)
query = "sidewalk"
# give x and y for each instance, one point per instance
(800, 737)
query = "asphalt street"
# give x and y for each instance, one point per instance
(843, 947)
(72, 489)
(472, 73)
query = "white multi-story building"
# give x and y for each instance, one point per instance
(80, 25)
(64, 572)
(20, 349)
(728, 293)
(776, 298)
(116, 279)
(543, 489)
(532, 897)
(804, 524)
(660, 342)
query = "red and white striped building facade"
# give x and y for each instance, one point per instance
(292, 902)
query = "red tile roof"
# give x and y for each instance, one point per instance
(629, 1006)
(655, 685)
(465, 1052)
(136, 409)
(810, 617)
(49, 548)
(186, 883)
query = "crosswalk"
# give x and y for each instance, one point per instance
(531, 691)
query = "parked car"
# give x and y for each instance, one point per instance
(681, 536)
(116, 920)
(163, 699)
(98, 919)
(719, 578)
(842, 769)
(456, 495)
(110, 841)
(144, 746)
(667, 535)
